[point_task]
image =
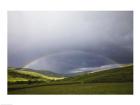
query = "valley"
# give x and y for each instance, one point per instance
(112, 81)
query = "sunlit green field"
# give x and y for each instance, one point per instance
(94, 88)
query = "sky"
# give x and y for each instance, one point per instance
(64, 40)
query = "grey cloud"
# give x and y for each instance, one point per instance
(32, 35)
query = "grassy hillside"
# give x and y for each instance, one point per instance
(18, 75)
(48, 73)
(123, 74)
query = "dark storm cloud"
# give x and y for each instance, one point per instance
(32, 35)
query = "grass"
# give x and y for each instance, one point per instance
(35, 74)
(94, 88)
(24, 75)
(124, 74)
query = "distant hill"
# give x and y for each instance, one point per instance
(20, 75)
(45, 72)
(121, 74)
(79, 71)
(48, 73)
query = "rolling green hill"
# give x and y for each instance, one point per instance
(19, 75)
(123, 74)
(48, 73)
